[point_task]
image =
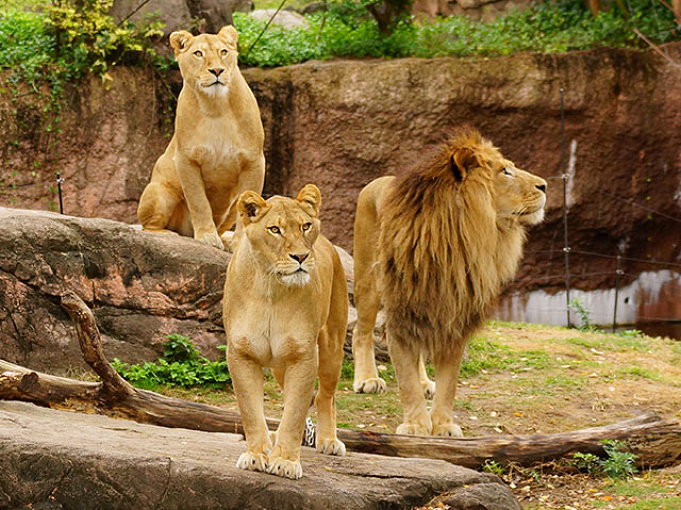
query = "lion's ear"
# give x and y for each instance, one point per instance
(310, 198)
(461, 162)
(250, 206)
(229, 35)
(179, 40)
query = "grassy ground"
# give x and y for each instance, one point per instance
(522, 379)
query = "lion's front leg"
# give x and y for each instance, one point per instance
(447, 366)
(284, 458)
(198, 204)
(247, 380)
(416, 419)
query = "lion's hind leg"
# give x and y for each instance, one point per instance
(427, 385)
(330, 366)
(157, 205)
(367, 302)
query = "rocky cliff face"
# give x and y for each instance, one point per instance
(141, 287)
(341, 124)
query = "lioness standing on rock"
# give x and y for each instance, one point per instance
(216, 152)
(285, 307)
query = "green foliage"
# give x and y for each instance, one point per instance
(91, 40)
(69, 38)
(618, 462)
(492, 466)
(587, 462)
(584, 315)
(181, 365)
(555, 26)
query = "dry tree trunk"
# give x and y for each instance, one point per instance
(656, 442)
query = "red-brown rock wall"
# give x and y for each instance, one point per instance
(340, 124)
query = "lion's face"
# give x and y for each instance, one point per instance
(207, 61)
(282, 231)
(516, 194)
(519, 194)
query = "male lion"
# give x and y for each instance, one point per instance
(285, 307)
(436, 246)
(216, 152)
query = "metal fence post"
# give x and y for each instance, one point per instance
(566, 245)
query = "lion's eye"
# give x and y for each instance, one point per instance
(198, 53)
(306, 226)
(508, 172)
(274, 230)
(224, 52)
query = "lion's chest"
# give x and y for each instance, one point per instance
(275, 335)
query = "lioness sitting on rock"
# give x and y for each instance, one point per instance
(285, 307)
(216, 152)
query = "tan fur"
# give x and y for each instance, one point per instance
(216, 152)
(285, 307)
(436, 246)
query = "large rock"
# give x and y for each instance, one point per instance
(141, 287)
(59, 460)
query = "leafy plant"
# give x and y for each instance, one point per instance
(492, 466)
(618, 462)
(587, 462)
(181, 365)
(85, 32)
(584, 315)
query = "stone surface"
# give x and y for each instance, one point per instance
(285, 19)
(140, 286)
(58, 460)
(206, 15)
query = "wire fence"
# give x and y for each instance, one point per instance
(619, 275)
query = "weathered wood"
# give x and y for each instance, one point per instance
(656, 442)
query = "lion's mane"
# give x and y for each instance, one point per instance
(443, 254)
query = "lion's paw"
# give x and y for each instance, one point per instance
(447, 430)
(252, 461)
(211, 239)
(331, 447)
(285, 468)
(428, 389)
(413, 429)
(372, 385)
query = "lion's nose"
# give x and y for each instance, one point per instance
(217, 71)
(541, 187)
(299, 257)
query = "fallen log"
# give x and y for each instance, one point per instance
(654, 441)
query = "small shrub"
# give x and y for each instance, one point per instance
(181, 365)
(492, 466)
(587, 462)
(618, 463)
(584, 315)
